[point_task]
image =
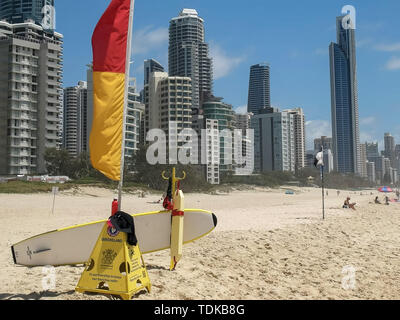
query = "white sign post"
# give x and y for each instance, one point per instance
(55, 191)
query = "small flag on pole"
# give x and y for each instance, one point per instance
(319, 159)
(109, 42)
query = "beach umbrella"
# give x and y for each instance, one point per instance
(385, 189)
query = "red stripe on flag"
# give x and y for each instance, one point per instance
(110, 38)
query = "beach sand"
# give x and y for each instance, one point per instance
(268, 245)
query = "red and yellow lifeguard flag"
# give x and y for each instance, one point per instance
(109, 42)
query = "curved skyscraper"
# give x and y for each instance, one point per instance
(344, 100)
(189, 54)
(259, 88)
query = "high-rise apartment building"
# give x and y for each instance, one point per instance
(212, 149)
(371, 171)
(299, 137)
(188, 54)
(216, 109)
(19, 11)
(134, 120)
(167, 99)
(324, 142)
(344, 100)
(259, 88)
(390, 148)
(75, 116)
(363, 161)
(274, 141)
(243, 121)
(151, 66)
(30, 96)
(372, 149)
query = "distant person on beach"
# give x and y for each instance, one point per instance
(377, 200)
(348, 205)
(387, 200)
(398, 194)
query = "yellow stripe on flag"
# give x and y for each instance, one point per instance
(106, 135)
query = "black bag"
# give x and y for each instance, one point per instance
(124, 222)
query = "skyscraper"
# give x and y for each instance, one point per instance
(299, 124)
(259, 88)
(188, 54)
(30, 96)
(151, 66)
(75, 119)
(274, 141)
(18, 11)
(344, 100)
(390, 147)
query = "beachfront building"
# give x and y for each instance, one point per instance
(188, 54)
(259, 88)
(328, 161)
(151, 66)
(299, 137)
(344, 100)
(324, 142)
(371, 172)
(215, 109)
(372, 149)
(274, 141)
(212, 151)
(363, 161)
(134, 120)
(30, 95)
(168, 105)
(389, 147)
(75, 119)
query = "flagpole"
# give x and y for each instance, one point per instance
(323, 193)
(127, 73)
(323, 186)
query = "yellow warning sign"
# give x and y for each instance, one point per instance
(114, 267)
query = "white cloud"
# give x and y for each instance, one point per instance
(393, 64)
(241, 110)
(223, 64)
(321, 51)
(392, 47)
(363, 42)
(149, 38)
(316, 129)
(367, 121)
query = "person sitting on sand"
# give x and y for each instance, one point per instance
(348, 205)
(377, 200)
(387, 200)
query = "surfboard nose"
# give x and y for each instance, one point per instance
(215, 219)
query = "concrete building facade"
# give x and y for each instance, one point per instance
(30, 96)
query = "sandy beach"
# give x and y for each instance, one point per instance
(268, 245)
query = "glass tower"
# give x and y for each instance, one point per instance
(188, 54)
(259, 88)
(344, 100)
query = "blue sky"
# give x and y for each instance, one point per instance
(293, 36)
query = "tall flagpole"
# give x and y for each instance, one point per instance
(127, 73)
(323, 186)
